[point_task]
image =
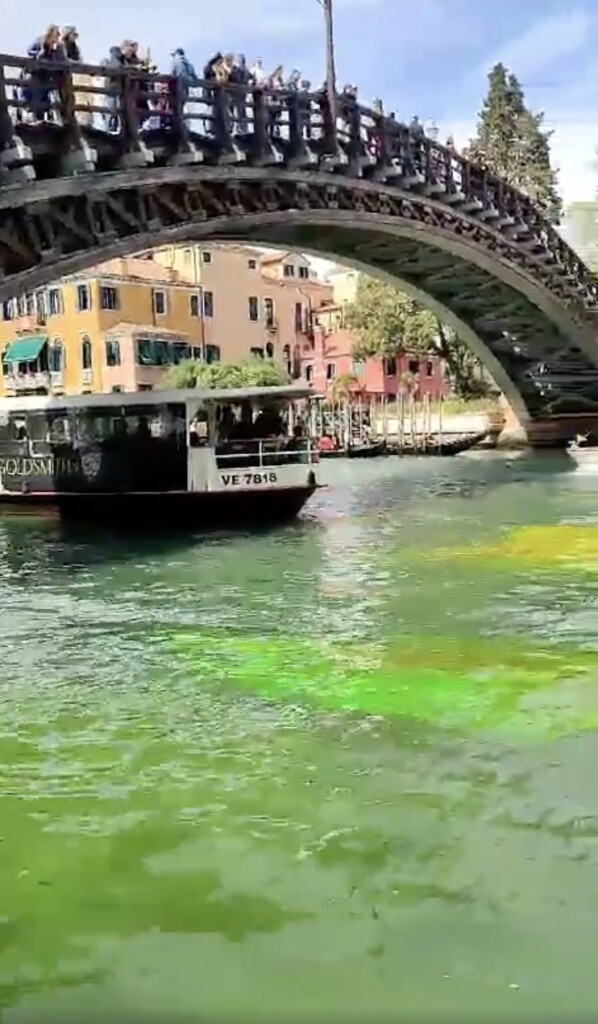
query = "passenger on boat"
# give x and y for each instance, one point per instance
(268, 424)
(327, 443)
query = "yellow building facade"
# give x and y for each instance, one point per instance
(121, 325)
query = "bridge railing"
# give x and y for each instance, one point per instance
(122, 113)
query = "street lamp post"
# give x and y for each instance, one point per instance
(330, 68)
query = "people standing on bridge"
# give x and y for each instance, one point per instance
(258, 75)
(183, 71)
(303, 105)
(274, 86)
(240, 76)
(38, 89)
(81, 83)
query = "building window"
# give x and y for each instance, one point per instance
(414, 366)
(30, 304)
(269, 312)
(42, 307)
(212, 353)
(112, 352)
(8, 309)
(54, 302)
(83, 298)
(194, 305)
(56, 356)
(146, 387)
(390, 366)
(270, 350)
(288, 270)
(257, 352)
(252, 264)
(86, 352)
(154, 352)
(108, 297)
(117, 389)
(330, 371)
(304, 272)
(22, 305)
(197, 352)
(206, 257)
(159, 302)
(298, 317)
(253, 308)
(429, 369)
(286, 352)
(309, 373)
(208, 304)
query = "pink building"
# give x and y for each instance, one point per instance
(329, 355)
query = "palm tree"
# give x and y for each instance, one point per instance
(342, 386)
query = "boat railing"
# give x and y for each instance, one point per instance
(265, 454)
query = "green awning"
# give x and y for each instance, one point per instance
(24, 350)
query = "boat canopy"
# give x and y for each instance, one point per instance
(117, 399)
(24, 349)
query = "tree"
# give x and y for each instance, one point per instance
(389, 323)
(254, 372)
(512, 142)
(343, 385)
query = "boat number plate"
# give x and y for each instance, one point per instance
(247, 479)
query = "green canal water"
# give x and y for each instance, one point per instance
(345, 770)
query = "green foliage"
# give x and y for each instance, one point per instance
(343, 385)
(253, 372)
(389, 323)
(512, 142)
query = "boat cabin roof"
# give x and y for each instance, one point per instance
(39, 403)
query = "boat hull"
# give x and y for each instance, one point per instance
(138, 511)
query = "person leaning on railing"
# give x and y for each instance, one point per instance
(83, 99)
(38, 87)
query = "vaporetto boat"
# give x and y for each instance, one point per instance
(183, 457)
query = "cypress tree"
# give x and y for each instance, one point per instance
(512, 142)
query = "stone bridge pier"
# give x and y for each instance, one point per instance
(550, 432)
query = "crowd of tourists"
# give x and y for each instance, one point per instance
(153, 101)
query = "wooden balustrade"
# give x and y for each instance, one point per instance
(57, 119)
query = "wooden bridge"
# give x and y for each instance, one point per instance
(97, 162)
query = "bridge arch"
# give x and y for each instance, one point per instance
(470, 248)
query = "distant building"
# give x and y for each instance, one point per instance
(580, 230)
(328, 356)
(122, 325)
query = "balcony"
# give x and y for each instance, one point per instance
(86, 378)
(38, 382)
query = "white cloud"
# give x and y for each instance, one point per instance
(548, 40)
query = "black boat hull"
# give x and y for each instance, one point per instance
(139, 511)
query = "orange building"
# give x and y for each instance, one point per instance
(121, 325)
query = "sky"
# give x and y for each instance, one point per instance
(425, 57)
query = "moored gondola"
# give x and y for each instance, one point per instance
(436, 445)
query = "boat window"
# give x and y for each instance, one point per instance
(37, 426)
(18, 428)
(198, 430)
(244, 421)
(58, 430)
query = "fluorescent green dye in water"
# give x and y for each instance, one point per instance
(450, 681)
(567, 547)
